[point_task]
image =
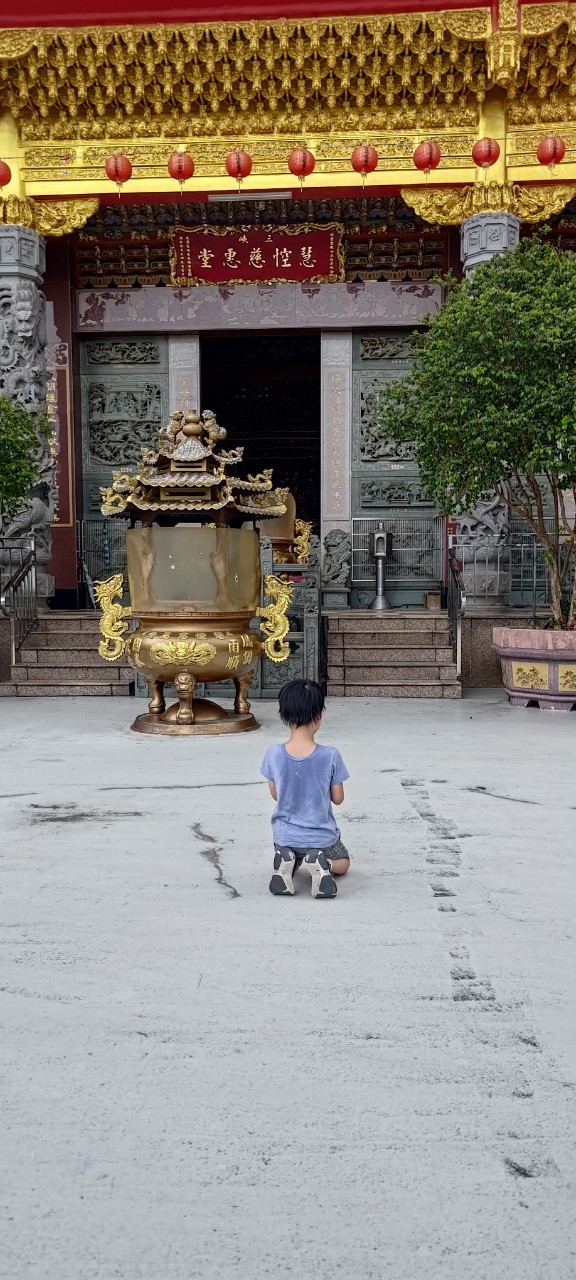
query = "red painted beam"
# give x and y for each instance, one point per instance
(79, 13)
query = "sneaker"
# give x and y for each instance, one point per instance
(323, 882)
(284, 867)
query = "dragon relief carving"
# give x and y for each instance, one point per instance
(275, 625)
(122, 420)
(113, 624)
(23, 379)
(374, 446)
(182, 650)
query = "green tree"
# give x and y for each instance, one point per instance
(491, 399)
(20, 448)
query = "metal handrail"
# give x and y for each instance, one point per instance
(456, 607)
(18, 596)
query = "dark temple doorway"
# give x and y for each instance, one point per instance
(265, 390)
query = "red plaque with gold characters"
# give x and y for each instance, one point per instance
(273, 255)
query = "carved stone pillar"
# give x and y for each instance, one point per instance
(184, 366)
(23, 373)
(485, 234)
(336, 429)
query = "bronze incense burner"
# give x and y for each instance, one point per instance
(195, 588)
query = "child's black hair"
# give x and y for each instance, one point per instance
(300, 702)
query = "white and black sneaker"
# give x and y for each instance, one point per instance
(284, 867)
(323, 882)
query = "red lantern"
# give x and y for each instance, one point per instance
(118, 169)
(364, 159)
(485, 152)
(427, 156)
(238, 164)
(181, 167)
(551, 150)
(5, 174)
(301, 163)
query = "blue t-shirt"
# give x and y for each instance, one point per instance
(303, 816)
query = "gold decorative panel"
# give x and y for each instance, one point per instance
(567, 677)
(530, 675)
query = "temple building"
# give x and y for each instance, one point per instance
(248, 208)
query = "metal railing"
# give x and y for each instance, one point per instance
(417, 544)
(456, 603)
(512, 574)
(18, 593)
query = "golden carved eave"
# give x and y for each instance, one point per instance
(450, 206)
(48, 217)
(283, 76)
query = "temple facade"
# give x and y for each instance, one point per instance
(252, 215)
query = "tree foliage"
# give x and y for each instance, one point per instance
(491, 399)
(19, 452)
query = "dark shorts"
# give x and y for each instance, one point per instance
(336, 850)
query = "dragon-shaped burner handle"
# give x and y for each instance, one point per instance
(112, 623)
(275, 625)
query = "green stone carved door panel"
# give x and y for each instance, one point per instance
(385, 478)
(124, 392)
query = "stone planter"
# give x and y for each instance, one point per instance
(537, 666)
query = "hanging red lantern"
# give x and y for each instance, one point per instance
(181, 167)
(238, 165)
(118, 169)
(364, 159)
(301, 163)
(551, 150)
(427, 156)
(5, 174)
(485, 152)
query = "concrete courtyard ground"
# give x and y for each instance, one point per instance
(203, 1082)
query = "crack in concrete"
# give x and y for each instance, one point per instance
(17, 795)
(518, 1170)
(63, 813)
(496, 795)
(212, 854)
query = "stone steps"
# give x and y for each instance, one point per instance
(60, 659)
(403, 654)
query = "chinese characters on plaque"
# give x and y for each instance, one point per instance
(337, 420)
(58, 412)
(274, 255)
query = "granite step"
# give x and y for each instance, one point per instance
(451, 691)
(387, 639)
(107, 675)
(71, 691)
(394, 675)
(354, 626)
(51, 656)
(387, 691)
(61, 621)
(388, 657)
(69, 640)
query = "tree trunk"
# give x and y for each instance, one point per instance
(555, 594)
(572, 613)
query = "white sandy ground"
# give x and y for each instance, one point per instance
(204, 1081)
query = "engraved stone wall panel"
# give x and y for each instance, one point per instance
(124, 394)
(184, 362)
(125, 353)
(290, 306)
(385, 478)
